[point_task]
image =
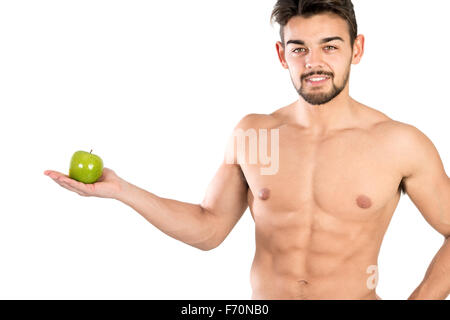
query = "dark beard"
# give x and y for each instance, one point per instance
(323, 97)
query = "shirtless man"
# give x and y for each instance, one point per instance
(321, 217)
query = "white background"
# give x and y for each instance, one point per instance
(155, 88)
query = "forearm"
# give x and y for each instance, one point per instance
(436, 283)
(183, 221)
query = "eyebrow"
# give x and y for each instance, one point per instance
(324, 40)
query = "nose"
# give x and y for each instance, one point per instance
(313, 60)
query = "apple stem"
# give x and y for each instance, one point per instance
(91, 151)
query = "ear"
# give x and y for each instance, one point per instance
(358, 49)
(280, 52)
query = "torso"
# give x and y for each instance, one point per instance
(320, 220)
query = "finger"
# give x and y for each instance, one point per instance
(71, 184)
(54, 174)
(65, 185)
(77, 185)
(56, 178)
(51, 172)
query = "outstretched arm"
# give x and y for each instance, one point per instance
(428, 186)
(203, 226)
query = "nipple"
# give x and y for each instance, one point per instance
(264, 194)
(363, 202)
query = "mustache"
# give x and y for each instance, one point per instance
(319, 73)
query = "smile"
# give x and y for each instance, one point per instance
(317, 80)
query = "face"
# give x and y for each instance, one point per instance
(319, 46)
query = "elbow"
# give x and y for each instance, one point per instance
(208, 245)
(205, 248)
(211, 238)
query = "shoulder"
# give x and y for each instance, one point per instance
(405, 145)
(259, 120)
(409, 146)
(402, 134)
(248, 125)
(396, 131)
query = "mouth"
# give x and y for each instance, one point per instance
(317, 80)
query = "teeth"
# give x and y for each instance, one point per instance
(316, 79)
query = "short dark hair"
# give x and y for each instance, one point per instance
(284, 10)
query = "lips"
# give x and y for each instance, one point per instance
(317, 77)
(324, 79)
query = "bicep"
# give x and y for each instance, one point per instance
(226, 199)
(427, 184)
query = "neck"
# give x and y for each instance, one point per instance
(321, 119)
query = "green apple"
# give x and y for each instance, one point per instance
(85, 167)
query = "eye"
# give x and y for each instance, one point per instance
(328, 48)
(295, 50)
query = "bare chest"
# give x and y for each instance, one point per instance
(350, 175)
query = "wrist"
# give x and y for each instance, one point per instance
(124, 191)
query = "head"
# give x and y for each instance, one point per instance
(318, 38)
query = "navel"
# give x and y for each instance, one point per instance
(363, 202)
(302, 290)
(264, 194)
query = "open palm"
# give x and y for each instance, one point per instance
(108, 185)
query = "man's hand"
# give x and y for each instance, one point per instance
(109, 185)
